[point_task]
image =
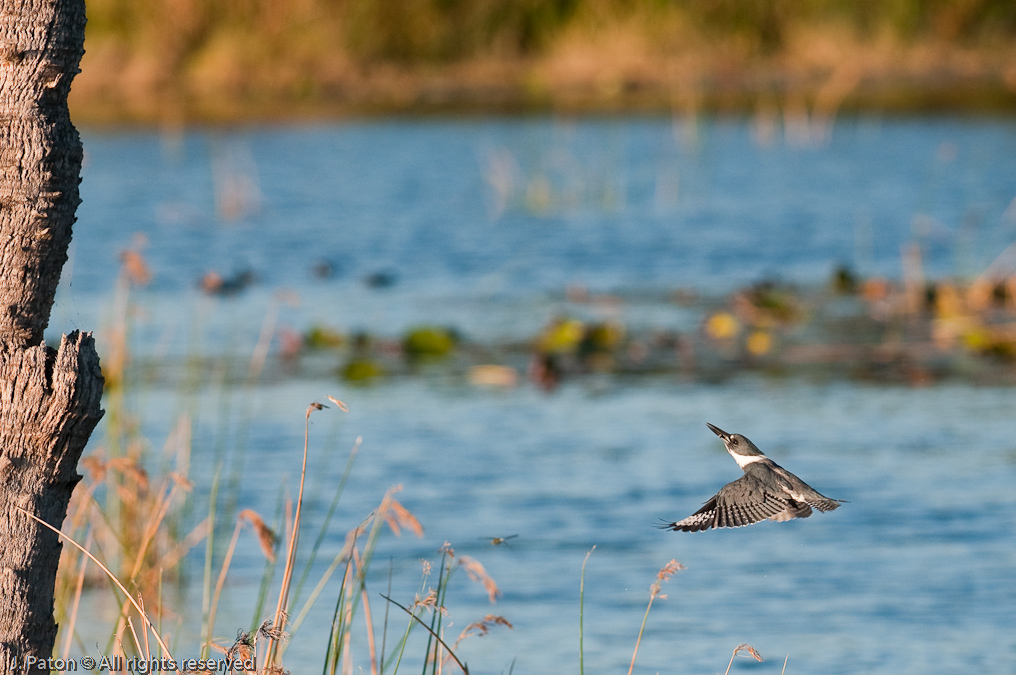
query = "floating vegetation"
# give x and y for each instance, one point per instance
(767, 304)
(913, 332)
(429, 341)
(361, 371)
(362, 367)
(562, 336)
(323, 337)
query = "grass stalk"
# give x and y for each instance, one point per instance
(642, 628)
(160, 605)
(582, 600)
(342, 555)
(664, 574)
(148, 646)
(402, 645)
(409, 625)
(75, 602)
(152, 527)
(123, 589)
(430, 630)
(287, 574)
(442, 574)
(334, 649)
(384, 626)
(323, 531)
(206, 598)
(134, 635)
(392, 513)
(254, 369)
(347, 638)
(220, 582)
(269, 570)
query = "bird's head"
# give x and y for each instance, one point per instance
(737, 445)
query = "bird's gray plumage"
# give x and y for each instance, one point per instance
(766, 491)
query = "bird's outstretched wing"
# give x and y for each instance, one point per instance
(741, 502)
(800, 491)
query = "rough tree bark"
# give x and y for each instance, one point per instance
(49, 399)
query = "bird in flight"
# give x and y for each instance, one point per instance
(766, 491)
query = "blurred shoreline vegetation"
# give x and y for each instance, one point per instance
(177, 61)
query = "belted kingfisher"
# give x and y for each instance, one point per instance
(765, 491)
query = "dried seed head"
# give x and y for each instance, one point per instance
(398, 516)
(667, 571)
(269, 631)
(266, 537)
(748, 648)
(477, 572)
(428, 601)
(339, 404)
(483, 626)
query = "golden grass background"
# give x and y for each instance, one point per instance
(171, 61)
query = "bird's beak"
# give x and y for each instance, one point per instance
(719, 432)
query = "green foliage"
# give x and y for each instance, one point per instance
(562, 336)
(361, 371)
(323, 337)
(428, 341)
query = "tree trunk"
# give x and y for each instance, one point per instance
(49, 400)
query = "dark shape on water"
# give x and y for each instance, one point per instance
(214, 283)
(766, 491)
(323, 269)
(545, 370)
(844, 281)
(381, 279)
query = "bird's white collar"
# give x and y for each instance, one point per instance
(745, 460)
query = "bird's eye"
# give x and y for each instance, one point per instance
(734, 441)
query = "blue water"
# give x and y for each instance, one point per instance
(629, 205)
(483, 224)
